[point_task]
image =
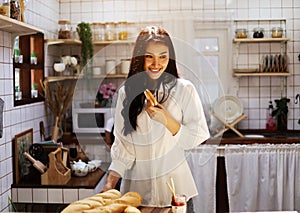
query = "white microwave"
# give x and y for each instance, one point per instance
(90, 120)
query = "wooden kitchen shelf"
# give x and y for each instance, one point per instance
(62, 42)
(257, 40)
(78, 42)
(253, 74)
(113, 42)
(17, 27)
(63, 78)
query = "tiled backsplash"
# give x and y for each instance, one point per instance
(254, 92)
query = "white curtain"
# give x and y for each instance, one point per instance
(263, 177)
(203, 163)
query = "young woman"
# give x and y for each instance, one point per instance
(150, 141)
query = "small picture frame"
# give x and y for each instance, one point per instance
(22, 143)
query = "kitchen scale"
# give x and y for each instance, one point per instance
(229, 111)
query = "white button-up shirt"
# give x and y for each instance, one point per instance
(149, 156)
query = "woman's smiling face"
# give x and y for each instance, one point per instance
(156, 59)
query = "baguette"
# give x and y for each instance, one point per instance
(90, 203)
(110, 201)
(130, 199)
(132, 209)
(111, 208)
(75, 208)
(150, 97)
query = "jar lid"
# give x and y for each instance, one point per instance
(97, 23)
(241, 30)
(64, 22)
(110, 22)
(258, 29)
(122, 22)
(277, 29)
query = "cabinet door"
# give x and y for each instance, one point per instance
(28, 69)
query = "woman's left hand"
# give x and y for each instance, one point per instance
(161, 115)
(157, 113)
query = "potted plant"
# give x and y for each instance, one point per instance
(281, 112)
(87, 49)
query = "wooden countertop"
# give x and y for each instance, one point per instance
(274, 137)
(155, 210)
(89, 181)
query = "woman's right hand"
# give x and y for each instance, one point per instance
(106, 187)
(111, 181)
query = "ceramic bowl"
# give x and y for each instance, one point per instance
(59, 67)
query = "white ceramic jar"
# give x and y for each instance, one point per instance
(125, 65)
(110, 66)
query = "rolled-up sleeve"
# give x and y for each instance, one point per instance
(122, 151)
(194, 129)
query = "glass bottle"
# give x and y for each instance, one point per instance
(270, 124)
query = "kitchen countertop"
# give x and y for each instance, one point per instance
(254, 136)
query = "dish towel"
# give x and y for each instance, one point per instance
(1, 117)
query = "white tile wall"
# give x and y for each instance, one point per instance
(39, 195)
(45, 14)
(55, 196)
(70, 195)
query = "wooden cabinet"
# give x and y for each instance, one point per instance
(28, 71)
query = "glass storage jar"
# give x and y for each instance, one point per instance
(258, 32)
(277, 32)
(5, 8)
(241, 33)
(122, 30)
(98, 31)
(64, 29)
(110, 31)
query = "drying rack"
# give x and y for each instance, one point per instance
(229, 125)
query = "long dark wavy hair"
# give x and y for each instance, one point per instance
(138, 80)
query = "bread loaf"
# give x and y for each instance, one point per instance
(110, 201)
(150, 97)
(93, 202)
(132, 209)
(111, 208)
(130, 199)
